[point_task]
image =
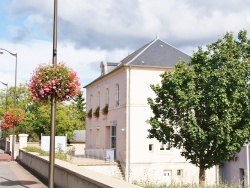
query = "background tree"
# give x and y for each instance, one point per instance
(38, 119)
(68, 120)
(80, 105)
(203, 107)
(37, 116)
(22, 99)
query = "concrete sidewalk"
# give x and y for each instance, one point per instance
(12, 174)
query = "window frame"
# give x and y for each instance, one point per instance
(117, 95)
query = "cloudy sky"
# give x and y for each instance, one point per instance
(91, 31)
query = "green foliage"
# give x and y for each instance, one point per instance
(58, 155)
(36, 149)
(203, 107)
(80, 105)
(147, 184)
(22, 98)
(37, 117)
(68, 120)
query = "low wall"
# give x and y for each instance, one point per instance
(68, 175)
(2, 144)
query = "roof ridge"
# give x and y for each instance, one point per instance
(173, 46)
(146, 47)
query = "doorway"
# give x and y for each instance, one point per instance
(113, 140)
(167, 177)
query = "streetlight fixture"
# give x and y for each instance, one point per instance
(53, 105)
(6, 94)
(13, 129)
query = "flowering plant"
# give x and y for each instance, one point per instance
(89, 114)
(105, 110)
(5, 125)
(97, 112)
(57, 79)
(11, 117)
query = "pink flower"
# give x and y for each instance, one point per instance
(47, 79)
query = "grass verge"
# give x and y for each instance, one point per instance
(58, 154)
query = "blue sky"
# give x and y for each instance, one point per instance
(93, 31)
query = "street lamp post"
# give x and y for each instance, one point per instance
(13, 129)
(53, 105)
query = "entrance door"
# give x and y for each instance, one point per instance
(113, 140)
(242, 179)
(167, 176)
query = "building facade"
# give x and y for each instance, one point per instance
(117, 108)
(236, 171)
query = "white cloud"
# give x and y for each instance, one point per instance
(107, 30)
(84, 61)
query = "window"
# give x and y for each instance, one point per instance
(179, 172)
(90, 101)
(162, 146)
(107, 96)
(113, 137)
(98, 98)
(150, 147)
(165, 146)
(117, 97)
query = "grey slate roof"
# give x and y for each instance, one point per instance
(157, 54)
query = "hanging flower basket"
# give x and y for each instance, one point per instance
(105, 110)
(12, 117)
(57, 79)
(97, 112)
(89, 114)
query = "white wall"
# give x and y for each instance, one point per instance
(150, 165)
(154, 173)
(231, 170)
(116, 114)
(69, 175)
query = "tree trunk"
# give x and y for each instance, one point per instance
(202, 177)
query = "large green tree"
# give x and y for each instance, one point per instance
(203, 106)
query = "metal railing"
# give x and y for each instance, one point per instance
(103, 154)
(122, 162)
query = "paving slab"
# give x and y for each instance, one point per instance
(13, 175)
(5, 157)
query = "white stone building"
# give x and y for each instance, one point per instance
(123, 88)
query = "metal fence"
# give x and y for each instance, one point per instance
(102, 154)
